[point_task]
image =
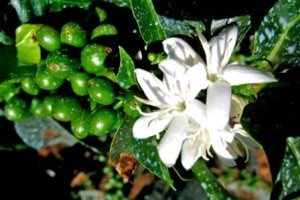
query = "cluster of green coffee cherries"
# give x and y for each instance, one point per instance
(70, 89)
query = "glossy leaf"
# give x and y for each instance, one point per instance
(26, 9)
(277, 38)
(290, 167)
(29, 51)
(243, 23)
(101, 14)
(8, 64)
(119, 3)
(211, 185)
(148, 21)
(125, 77)
(4, 39)
(145, 151)
(174, 27)
(104, 30)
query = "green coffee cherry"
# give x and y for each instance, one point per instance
(73, 34)
(79, 83)
(61, 64)
(65, 108)
(102, 121)
(7, 91)
(80, 124)
(130, 104)
(46, 80)
(48, 38)
(15, 109)
(48, 104)
(29, 85)
(93, 58)
(37, 108)
(102, 91)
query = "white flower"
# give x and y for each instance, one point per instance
(222, 75)
(214, 130)
(177, 106)
(180, 58)
(225, 144)
(238, 104)
(191, 127)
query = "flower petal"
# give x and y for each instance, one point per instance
(179, 49)
(245, 138)
(173, 68)
(237, 75)
(189, 153)
(237, 106)
(170, 145)
(153, 88)
(218, 145)
(206, 48)
(194, 148)
(230, 162)
(194, 80)
(227, 39)
(221, 48)
(218, 104)
(196, 110)
(147, 126)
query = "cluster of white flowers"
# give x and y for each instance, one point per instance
(191, 127)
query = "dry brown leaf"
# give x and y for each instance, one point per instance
(139, 183)
(79, 179)
(125, 166)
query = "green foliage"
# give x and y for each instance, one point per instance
(174, 27)
(145, 151)
(4, 39)
(277, 38)
(290, 167)
(26, 9)
(104, 29)
(29, 52)
(148, 21)
(125, 77)
(209, 183)
(9, 62)
(271, 115)
(243, 22)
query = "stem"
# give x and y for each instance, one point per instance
(209, 182)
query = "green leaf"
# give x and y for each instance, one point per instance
(9, 68)
(148, 21)
(8, 89)
(209, 182)
(102, 15)
(174, 27)
(145, 150)
(243, 22)
(248, 89)
(278, 38)
(125, 77)
(4, 39)
(29, 51)
(119, 3)
(8, 64)
(104, 29)
(26, 9)
(23, 9)
(290, 167)
(58, 5)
